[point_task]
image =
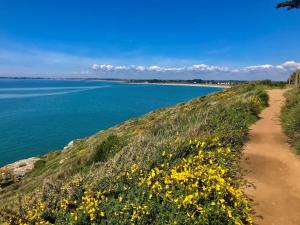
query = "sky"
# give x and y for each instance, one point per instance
(169, 39)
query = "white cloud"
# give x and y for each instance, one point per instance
(208, 68)
(155, 68)
(258, 67)
(140, 68)
(30, 61)
(95, 67)
(104, 67)
(121, 68)
(286, 66)
(290, 65)
(264, 71)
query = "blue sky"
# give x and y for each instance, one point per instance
(172, 39)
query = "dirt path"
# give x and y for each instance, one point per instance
(273, 168)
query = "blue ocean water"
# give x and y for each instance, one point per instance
(37, 116)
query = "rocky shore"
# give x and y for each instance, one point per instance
(14, 172)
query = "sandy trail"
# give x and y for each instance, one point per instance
(273, 168)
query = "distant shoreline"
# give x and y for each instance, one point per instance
(215, 83)
(183, 84)
(123, 81)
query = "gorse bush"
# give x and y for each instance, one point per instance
(290, 117)
(176, 165)
(197, 189)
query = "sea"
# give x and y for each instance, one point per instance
(38, 115)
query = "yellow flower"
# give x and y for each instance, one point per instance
(120, 198)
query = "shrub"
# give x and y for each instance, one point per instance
(272, 84)
(198, 189)
(108, 148)
(290, 118)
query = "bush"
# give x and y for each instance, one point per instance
(198, 189)
(290, 118)
(272, 84)
(108, 148)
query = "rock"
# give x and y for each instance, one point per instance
(14, 172)
(70, 145)
(6, 176)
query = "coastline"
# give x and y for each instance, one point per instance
(184, 84)
(119, 81)
(4, 164)
(78, 155)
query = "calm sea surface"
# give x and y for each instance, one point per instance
(37, 116)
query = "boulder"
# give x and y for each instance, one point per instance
(69, 145)
(14, 172)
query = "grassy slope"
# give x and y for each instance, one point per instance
(226, 115)
(290, 118)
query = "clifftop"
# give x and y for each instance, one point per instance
(112, 169)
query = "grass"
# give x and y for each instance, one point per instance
(272, 84)
(98, 180)
(108, 148)
(290, 118)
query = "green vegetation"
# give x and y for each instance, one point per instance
(177, 165)
(272, 84)
(294, 78)
(290, 118)
(108, 148)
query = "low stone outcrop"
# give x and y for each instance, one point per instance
(69, 145)
(14, 172)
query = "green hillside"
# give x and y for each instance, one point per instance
(177, 165)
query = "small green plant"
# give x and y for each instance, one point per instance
(108, 148)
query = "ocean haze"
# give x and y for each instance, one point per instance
(37, 116)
